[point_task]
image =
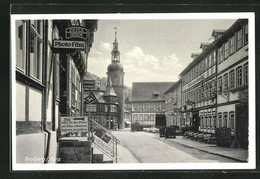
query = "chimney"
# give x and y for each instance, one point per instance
(195, 55)
(216, 33)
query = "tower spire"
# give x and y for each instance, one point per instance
(115, 33)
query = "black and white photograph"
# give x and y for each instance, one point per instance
(133, 91)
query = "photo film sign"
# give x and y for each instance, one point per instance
(69, 44)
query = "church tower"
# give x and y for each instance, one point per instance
(115, 72)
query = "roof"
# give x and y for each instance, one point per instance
(214, 44)
(97, 94)
(173, 87)
(218, 31)
(149, 91)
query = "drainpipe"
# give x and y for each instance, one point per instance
(45, 45)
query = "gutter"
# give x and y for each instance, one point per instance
(45, 44)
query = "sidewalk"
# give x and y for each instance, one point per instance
(232, 153)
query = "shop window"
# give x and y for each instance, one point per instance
(225, 119)
(226, 52)
(246, 74)
(57, 76)
(214, 121)
(232, 79)
(135, 117)
(239, 39)
(246, 34)
(232, 45)
(219, 120)
(232, 119)
(239, 76)
(73, 87)
(140, 117)
(226, 82)
(220, 84)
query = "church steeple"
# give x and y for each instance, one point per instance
(115, 54)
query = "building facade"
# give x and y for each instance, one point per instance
(215, 84)
(48, 84)
(148, 102)
(102, 106)
(173, 105)
(115, 73)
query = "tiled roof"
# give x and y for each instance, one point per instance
(173, 87)
(149, 91)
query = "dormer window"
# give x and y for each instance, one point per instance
(155, 93)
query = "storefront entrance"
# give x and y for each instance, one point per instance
(242, 124)
(195, 120)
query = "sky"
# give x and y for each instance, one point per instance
(151, 50)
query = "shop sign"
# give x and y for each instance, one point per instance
(69, 44)
(73, 124)
(90, 84)
(75, 32)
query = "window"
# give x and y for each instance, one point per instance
(239, 76)
(57, 76)
(214, 119)
(239, 39)
(220, 55)
(219, 119)
(232, 120)
(163, 105)
(246, 34)
(232, 79)
(232, 45)
(152, 105)
(73, 88)
(140, 106)
(214, 57)
(220, 84)
(225, 118)
(113, 108)
(226, 81)
(106, 108)
(36, 49)
(91, 108)
(226, 52)
(140, 117)
(246, 73)
(20, 32)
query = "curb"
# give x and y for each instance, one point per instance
(210, 152)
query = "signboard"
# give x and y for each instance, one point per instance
(90, 98)
(69, 44)
(74, 125)
(90, 84)
(76, 32)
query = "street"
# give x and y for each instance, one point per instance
(144, 147)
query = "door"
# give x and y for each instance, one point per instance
(242, 124)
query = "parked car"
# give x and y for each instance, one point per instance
(162, 131)
(170, 132)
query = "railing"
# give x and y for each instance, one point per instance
(104, 140)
